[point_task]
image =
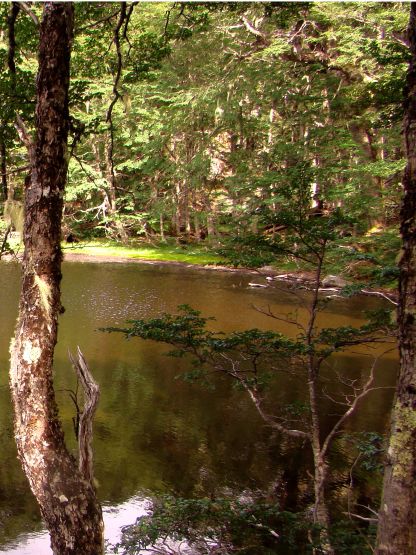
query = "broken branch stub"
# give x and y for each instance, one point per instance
(91, 397)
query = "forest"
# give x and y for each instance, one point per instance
(202, 121)
(272, 138)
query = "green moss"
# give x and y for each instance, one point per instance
(402, 441)
(191, 254)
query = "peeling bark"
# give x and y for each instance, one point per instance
(67, 500)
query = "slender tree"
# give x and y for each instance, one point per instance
(397, 519)
(66, 497)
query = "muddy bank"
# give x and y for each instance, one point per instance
(73, 257)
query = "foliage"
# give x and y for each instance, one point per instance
(253, 359)
(301, 236)
(370, 450)
(270, 130)
(224, 526)
(228, 119)
(187, 332)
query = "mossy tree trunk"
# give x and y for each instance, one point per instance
(66, 498)
(397, 518)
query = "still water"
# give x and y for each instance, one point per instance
(154, 433)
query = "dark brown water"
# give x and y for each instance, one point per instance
(154, 433)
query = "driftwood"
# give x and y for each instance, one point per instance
(91, 397)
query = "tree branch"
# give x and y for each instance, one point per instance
(367, 387)
(85, 432)
(251, 29)
(25, 7)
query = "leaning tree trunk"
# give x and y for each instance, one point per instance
(66, 498)
(397, 518)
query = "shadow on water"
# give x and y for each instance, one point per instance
(154, 433)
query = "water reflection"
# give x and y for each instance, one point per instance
(115, 517)
(153, 432)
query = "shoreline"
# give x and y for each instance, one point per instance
(299, 279)
(106, 259)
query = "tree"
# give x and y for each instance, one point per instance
(254, 359)
(66, 497)
(397, 518)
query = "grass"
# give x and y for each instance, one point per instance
(190, 254)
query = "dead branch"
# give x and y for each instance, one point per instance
(25, 137)
(99, 21)
(365, 390)
(281, 318)
(251, 29)
(91, 397)
(236, 374)
(379, 294)
(371, 520)
(26, 8)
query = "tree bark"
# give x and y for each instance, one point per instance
(3, 166)
(320, 513)
(67, 500)
(397, 517)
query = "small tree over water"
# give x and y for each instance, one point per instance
(222, 526)
(254, 358)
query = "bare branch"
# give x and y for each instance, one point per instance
(116, 42)
(372, 520)
(251, 29)
(367, 387)
(379, 294)
(91, 394)
(375, 513)
(236, 374)
(124, 18)
(26, 8)
(284, 318)
(99, 21)
(17, 170)
(25, 137)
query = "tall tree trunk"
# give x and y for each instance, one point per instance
(397, 518)
(178, 208)
(111, 176)
(66, 498)
(321, 512)
(3, 166)
(161, 227)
